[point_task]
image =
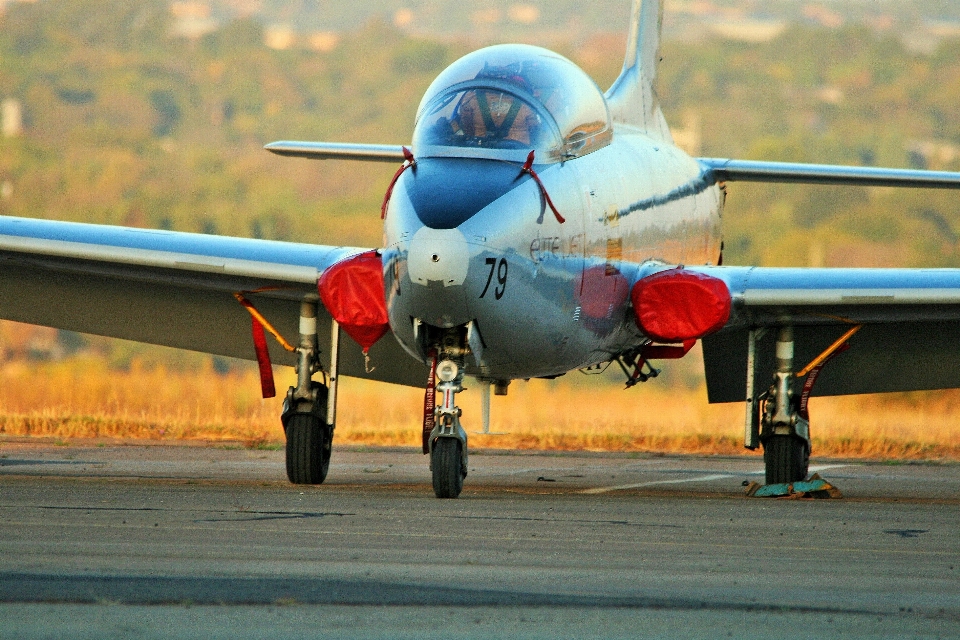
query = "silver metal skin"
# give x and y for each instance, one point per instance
(725, 170)
(523, 278)
(333, 375)
(751, 434)
(485, 405)
(337, 150)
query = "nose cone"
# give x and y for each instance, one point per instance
(438, 257)
(437, 264)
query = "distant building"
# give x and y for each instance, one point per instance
(192, 19)
(279, 37)
(523, 13)
(748, 30)
(12, 117)
(324, 41)
(403, 18)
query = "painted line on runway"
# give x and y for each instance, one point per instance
(812, 469)
(824, 467)
(715, 476)
(707, 478)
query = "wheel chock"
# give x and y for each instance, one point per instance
(813, 488)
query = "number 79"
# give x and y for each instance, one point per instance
(501, 271)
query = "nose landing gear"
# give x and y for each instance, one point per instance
(444, 438)
(447, 439)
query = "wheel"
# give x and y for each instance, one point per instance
(308, 449)
(786, 459)
(445, 461)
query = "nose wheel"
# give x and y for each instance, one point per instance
(447, 465)
(444, 438)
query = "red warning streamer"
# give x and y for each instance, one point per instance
(259, 323)
(430, 403)
(263, 359)
(528, 168)
(407, 163)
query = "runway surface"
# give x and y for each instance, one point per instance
(186, 541)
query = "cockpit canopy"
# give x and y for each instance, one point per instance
(503, 101)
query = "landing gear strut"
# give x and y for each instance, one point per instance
(309, 407)
(447, 441)
(785, 435)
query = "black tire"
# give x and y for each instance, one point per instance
(308, 449)
(447, 466)
(786, 459)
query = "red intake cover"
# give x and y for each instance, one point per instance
(352, 291)
(678, 305)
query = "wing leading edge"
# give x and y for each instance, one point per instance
(174, 289)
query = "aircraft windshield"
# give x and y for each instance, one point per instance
(488, 117)
(512, 97)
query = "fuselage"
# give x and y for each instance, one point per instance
(547, 297)
(469, 240)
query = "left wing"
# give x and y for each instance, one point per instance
(910, 317)
(909, 339)
(175, 289)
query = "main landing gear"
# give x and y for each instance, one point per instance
(444, 438)
(774, 417)
(310, 407)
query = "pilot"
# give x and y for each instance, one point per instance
(491, 116)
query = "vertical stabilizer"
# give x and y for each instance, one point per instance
(632, 98)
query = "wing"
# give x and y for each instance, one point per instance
(725, 170)
(337, 150)
(908, 340)
(175, 289)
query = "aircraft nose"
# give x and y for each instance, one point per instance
(446, 192)
(439, 256)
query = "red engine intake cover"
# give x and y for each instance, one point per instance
(678, 305)
(353, 292)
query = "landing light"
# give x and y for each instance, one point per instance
(447, 370)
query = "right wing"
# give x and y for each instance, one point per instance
(176, 289)
(337, 151)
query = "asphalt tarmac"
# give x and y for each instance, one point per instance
(110, 541)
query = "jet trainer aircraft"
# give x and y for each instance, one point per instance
(536, 226)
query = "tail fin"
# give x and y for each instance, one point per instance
(632, 98)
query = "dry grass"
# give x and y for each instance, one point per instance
(81, 398)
